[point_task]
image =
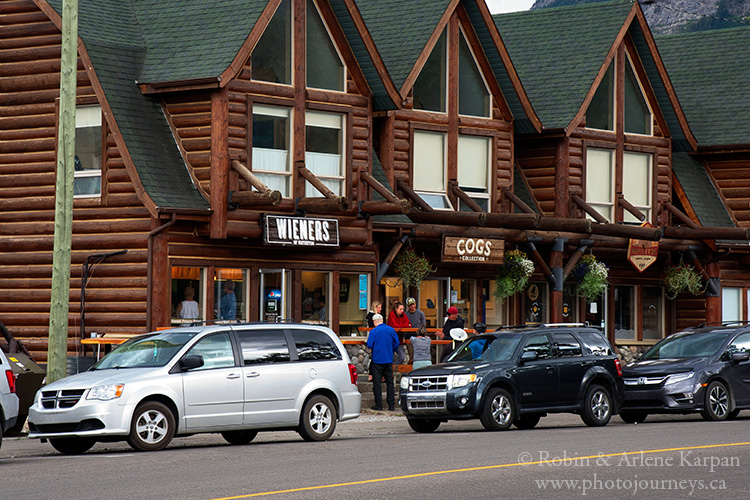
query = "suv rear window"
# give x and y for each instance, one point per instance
(595, 343)
(314, 345)
(260, 347)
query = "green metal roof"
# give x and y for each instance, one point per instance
(700, 191)
(710, 73)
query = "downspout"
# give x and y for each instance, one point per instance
(149, 272)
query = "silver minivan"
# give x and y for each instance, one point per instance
(8, 397)
(231, 379)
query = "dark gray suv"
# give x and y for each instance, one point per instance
(515, 376)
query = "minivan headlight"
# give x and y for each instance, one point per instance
(404, 382)
(679, 377)
(462, 380)
(106, 392)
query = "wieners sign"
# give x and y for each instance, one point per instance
(300, 231)
(473, 250)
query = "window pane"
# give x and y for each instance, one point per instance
(187, 295)
(473, 97)
(624, 313)
(473, 161)
(599, 181)
(636, 183)
(272, 56)
(315, 298)
(652, 313)
(263, 347)
(429, 161)
(429, 88)
(229, 294)
(601, 110)
(637, 114)
(730, 304)
(216, 351)
(566, 345)
(540, 345)
(314, 345)
(88, 151)
(323, 146)
(324, 67)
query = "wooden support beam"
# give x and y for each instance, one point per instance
(577, 254)
(377, 186)
(708, 233)
(560, 224)
(680, 215)
(470, 219)
(385, 207)
(465, 198)
(539, 261)
(323, 205)
(517, 201)
(249, 176)
(255, 199)
(588, 209)
(414, 197)
(383, 266)
(514, 221)
(317, 183)
(630, 208)
(626, 231)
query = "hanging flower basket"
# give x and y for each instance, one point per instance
(591, 278)
(682, 278)
(411, 269)
(513, 275)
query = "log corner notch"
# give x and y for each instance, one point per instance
(330, 203)
(392, 204)
(263, 197)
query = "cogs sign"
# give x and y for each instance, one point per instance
(473, 250)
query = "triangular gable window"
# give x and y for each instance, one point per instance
(473, 96)
(637, 113)
(429, 88)
(272, 56)
(324, 67)
(601, 111)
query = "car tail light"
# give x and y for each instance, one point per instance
(618, 365)
(353, 374)
(11, 380)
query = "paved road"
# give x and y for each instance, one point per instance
(378, 456)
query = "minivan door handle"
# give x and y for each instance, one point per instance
(232, 376)
(253, 374)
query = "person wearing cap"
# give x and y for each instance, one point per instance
(383, 342)
(417, 320)
(453, 321)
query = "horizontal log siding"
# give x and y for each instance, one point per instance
(116, 291)
(190, 115)
(536, 158)
(732, 178)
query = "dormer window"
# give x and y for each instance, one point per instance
(473, 96)
(324, 67)
(272, 57)
(429, 91)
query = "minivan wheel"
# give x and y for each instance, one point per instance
(72, 446)
(633, 416)
(239, 437)
(498, 410)
(318, 419)
(717, 403)
(527, 421)
(152, 428)
(597, 406)
(423, 425)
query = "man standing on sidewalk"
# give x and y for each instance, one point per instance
(383, 342)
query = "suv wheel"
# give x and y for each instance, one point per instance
(498, 410)
(423, 425)
(72, 446)
(318, 420)
(239, 437)
(527, 421)
(152, 428)
(717, 403)
(633, 416)
(597, 406)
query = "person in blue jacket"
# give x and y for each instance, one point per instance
(383, 342)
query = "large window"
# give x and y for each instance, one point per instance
(429, 91)
(316, 298)
(271, 158)
(600, 177)
(473, 169)
(625, 313)
(229, 295)
(324, 67)
(639, 313)
(637, 113)
(601, 112)
(88, 156)
(187, 295)
(731, 304)
(324, 144)
(272, 56)
(430, 168)
(473, 96)
(636, 184)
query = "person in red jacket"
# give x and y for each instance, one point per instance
(398, 319)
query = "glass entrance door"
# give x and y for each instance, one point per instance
(274, 293)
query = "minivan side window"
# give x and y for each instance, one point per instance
(259, 347)
(741, 343)
(566, 345)
(216, 351)
(314, 345)
(540, 344)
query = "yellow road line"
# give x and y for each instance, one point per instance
(484, 467)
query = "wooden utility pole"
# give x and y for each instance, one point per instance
(57, 349)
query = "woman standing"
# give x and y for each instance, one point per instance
(376, 308)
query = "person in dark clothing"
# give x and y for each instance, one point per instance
(383, 342)
(377, 308)
(453, 321)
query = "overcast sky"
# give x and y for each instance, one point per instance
(499, 6)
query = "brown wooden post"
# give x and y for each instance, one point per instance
(452, 159)
(333, 302)
(298, 117)
(219, 162)
(556, 288)
(713, 293)
(296, 297)
(161, 286)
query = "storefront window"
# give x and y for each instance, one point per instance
(653, 313)
(730, 304)
(493, 307)
(187, 295)
(625, 313)
(354, 302)
(595, 312)
(315, 300)
(432, 302)
(274, 294)
(462, 296)
(229, 295)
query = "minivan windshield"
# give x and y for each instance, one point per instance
(146, 352)
(687, 345)
(486, 348)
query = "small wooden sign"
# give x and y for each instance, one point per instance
(473, 250)
(300, 231)
(643, 253)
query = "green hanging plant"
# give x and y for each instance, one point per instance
(412, 269)
(682, 278)
(513, 275)
(591, 277)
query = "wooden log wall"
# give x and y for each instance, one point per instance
(116, 291)
(731, 175)
(536, 158)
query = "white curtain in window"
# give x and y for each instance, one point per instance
(600, 181)
(324, 165)
(730, 304)
(636, 183)
(473, 161)
(276, 160)
(429, 161)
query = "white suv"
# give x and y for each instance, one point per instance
(8, 397)
(232, 379)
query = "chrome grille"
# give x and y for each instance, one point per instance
(431, 384)
(644, 382)
(53, 400)
(426, 405)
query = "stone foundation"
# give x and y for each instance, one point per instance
(630, 353)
